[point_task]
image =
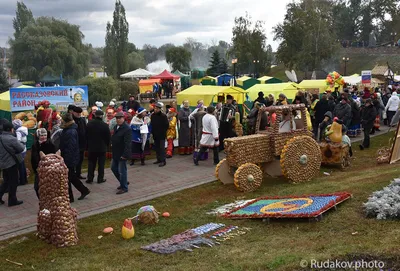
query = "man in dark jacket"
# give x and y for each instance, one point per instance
(320, 109)
(160, 125)
(10, 148)
(328, 119)
(121, 151)
(42, 144)
(132, 104)
(343, 110)
(368, 115)
(69, 146)
(81, 129)
(98, 138)
(260, 99)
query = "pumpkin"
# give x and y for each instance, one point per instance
(29, 124)
(127, 229)
(108, 230)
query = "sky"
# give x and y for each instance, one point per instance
(154, 22)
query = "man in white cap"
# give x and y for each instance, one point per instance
(160, 125)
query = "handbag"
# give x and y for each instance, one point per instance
(17, 157)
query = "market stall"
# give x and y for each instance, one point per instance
(208, 81)
(289, 89)
(210, 94)
(313, 86)
(146, 85)
(224, 79)
(185, 79)
(269, 80)
(246, 82)
(137, 74)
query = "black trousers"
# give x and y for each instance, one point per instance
(74, 180)
(390, 115)
(366, 141)
(159, 146)
(225, 131)
(215, 154)
(36, 184)
(94, 158)
(10, 182)
(79, 166)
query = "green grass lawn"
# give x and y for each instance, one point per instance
(279, 245)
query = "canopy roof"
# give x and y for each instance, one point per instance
(208, 78)
(149, 81)
(245, 79)
(269, 78)
(166, 75)
(242, 79)
(209, 94)
(289, 89)
(352, 80)
(313, 84)
(181, 74)
(138, 73)
(5, 101)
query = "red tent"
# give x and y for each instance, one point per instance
(166, 75)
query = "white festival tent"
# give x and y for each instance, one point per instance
(138, 73)
(352, 80)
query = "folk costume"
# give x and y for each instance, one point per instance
(140, 136)
(171, 133)
(185, 146)
(226, 121)
(209, 138)
(197, 120)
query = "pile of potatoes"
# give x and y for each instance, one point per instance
(57, 221)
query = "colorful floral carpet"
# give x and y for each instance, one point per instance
(307, 206)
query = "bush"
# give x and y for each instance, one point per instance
(106, 88)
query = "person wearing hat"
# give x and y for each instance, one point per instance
(227, 117)
(22, 135)
(132, 103)
(42, 144)
(140, 136)
(92, 114)
(184, 138)
(81, 128)
(98, 139)
(69, 146)
(260, 99)
(392, 106)
(368, 115)
(171, 133)
(343, 110)
(160, 125)
(197, 125)
(121, 142)
(10, 158)
(209, 138)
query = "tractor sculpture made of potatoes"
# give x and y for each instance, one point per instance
(292, 153)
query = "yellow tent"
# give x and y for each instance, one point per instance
(310, 85)
(5, 101)
(289, 89)
(209, 94)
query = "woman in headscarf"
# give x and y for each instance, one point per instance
(282, 100)
(42, 144)
(140, 136)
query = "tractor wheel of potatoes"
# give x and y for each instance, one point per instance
(301, 159)
(248, 177)
(222, 172)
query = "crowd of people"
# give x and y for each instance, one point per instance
(130, 132)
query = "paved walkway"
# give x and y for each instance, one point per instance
(146, 182)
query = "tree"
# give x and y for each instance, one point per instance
(249, 44)
(22, 19)
(150, 53)
(117, 44)
(49, 46)
(4, 85)
(136, 61)
(306, 35)
(215, 64)
(179, 58)
(223, 66)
